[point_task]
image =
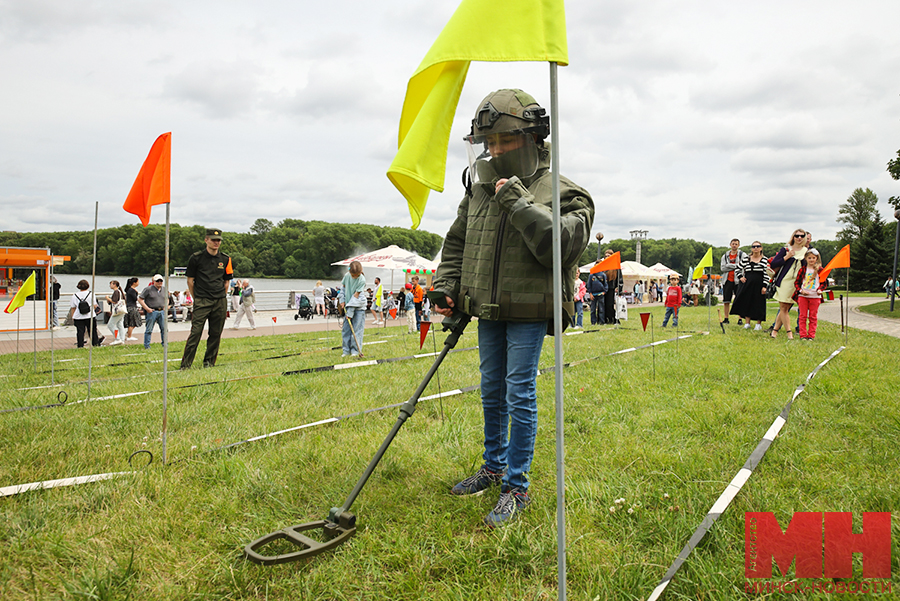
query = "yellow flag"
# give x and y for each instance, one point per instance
(706, 261)
(18, 300)
(479, 30)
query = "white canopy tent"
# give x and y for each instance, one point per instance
(389, 259)
(662, 271)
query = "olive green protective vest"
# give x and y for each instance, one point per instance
(497, 260)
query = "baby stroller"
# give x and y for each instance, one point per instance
(304, 308)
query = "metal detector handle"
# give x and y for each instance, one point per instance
(409, 407)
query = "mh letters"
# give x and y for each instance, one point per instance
(823, 544)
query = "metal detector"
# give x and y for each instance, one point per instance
(340, 525)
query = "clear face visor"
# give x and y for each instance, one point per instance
(501, 155)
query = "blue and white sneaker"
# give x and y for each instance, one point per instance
(511, 503)
(480, 482)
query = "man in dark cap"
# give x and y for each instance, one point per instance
(208, 273)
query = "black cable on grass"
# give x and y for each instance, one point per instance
(62, 397)
(139, 452)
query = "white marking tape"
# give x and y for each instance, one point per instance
(357, 364)
(441, 395)
(330, 420)
(20, 488)
(734, 487)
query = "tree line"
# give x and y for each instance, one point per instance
(292, 248)
(305, 249)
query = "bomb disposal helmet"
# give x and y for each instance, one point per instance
(508, 128)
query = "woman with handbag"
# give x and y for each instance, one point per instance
(752, 274)
(786, 264)
(117, 312)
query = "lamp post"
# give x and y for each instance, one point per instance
(638, 235)
(599, 249)
(896, 248)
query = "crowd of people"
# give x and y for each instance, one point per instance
(747, 282)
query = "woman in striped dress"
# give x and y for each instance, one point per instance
(752, 274)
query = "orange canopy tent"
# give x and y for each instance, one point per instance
(25, 260)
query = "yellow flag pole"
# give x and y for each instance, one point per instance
(557, 339)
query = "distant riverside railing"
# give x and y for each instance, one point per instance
(266, 300)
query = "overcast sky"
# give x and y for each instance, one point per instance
(694, 119)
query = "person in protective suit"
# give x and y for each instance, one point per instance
(497, 265)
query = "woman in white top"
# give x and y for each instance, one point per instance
(116, 323)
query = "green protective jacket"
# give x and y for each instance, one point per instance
(497, 260)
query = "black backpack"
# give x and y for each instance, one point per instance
(83, 306)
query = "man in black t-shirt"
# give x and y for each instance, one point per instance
(208, 273)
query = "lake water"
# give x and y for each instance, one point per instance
(270, 293)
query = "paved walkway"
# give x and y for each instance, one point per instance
(283, 323)
(831, 311)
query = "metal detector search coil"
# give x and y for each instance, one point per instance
(335, 534)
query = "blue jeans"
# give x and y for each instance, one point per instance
(673, 313)
(509, 353)
(598, 310)
(579, 314)
(154, 317)
(358, 321)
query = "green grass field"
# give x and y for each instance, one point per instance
(883, 309)
(666, 445)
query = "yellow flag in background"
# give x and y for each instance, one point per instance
(479, 30)
(25, 291)
(706, 261)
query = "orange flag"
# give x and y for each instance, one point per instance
(841, 259)
(152, 184)
(613, 261)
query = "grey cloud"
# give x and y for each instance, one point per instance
(335, 91)
(762, 160)
(792, 130)
(219, 89)
(43, 20)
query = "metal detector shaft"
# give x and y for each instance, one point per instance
(407, 409)
(340, 525)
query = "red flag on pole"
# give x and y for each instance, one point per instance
(423, 333)
(613, 261)
(151, 187)
(275, 319)
(841, 259)
(645, 317)
(393, 313)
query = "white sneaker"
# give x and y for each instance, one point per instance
(233, 328)
(251, 327)
(746, 326)
(131, 338)
(757, 328)
(115, 342)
